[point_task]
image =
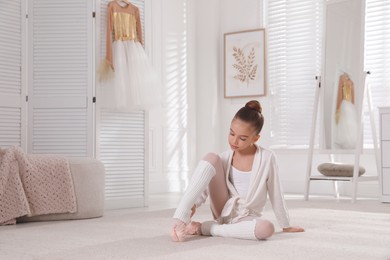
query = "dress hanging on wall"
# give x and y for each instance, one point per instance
(128, 81)
(346, 115)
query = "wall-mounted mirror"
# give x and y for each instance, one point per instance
(342, 72)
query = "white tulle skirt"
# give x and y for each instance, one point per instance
(346, 130)
(134, 84)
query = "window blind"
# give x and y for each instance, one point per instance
(294, 30)
(377, 57)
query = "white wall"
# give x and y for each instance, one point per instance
(214, 113)
(172, 126)
(214, 18)
(209, 112)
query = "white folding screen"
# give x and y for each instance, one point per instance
(47, 77)
(12, 85)
(121, 136)
(60, 62)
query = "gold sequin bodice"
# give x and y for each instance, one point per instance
(124, 26)
(347, 91)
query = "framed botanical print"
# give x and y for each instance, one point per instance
(244, 60)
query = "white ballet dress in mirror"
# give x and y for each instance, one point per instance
(346, 127)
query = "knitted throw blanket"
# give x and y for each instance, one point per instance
(34, 185)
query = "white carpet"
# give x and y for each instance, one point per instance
(334, 230)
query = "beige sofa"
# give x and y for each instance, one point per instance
(88, 180)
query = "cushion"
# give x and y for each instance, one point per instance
(338, 169)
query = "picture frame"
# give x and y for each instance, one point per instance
(244, 63)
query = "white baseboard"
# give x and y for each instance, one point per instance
(166, 186)
(158, 187)
(365, 189)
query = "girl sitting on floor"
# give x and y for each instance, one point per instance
(237, 182)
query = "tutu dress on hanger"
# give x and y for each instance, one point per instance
(128, 81)
(346, 116)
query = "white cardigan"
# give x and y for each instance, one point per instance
(264, 180)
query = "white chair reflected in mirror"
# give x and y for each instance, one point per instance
(341, 93)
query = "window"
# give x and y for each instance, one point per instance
(377, 57)
(294, 37)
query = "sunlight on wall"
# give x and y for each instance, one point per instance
(176, 101)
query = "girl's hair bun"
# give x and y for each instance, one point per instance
(254, 105)
(251, 114)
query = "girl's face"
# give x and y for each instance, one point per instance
(241, 135)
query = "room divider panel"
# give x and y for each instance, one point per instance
(49, 100)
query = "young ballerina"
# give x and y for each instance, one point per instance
(237, 182)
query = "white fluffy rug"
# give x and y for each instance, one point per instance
(334, 230)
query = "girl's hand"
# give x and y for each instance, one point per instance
(293, 229)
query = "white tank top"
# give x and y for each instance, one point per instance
(240, 181)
